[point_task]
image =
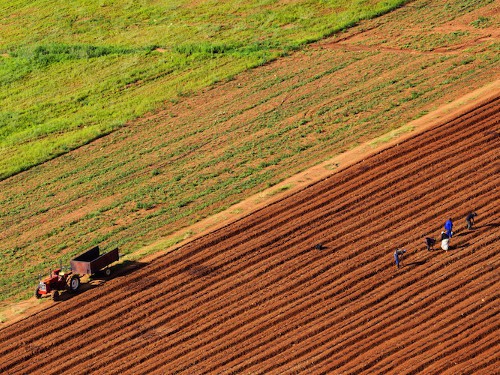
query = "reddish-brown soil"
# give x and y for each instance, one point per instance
(256, 297)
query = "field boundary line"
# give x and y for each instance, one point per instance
(319, 172)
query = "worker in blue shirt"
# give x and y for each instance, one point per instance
(448, 227)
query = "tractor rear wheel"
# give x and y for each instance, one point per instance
(37, 293)
(73, 284)
(107, 271)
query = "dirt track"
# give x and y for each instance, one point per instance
(256, 297)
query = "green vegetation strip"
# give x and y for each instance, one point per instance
(73, 71)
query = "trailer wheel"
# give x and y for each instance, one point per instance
(37, 293)
(74, 284)
(107, 271)
(55, 295)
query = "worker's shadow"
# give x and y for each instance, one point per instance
(320, 247)
(480, 228)
(486, 226)
(458, 247)
(126, 267)
(415, 264)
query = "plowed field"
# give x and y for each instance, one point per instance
(257, 297)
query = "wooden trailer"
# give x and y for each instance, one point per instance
(91, 262)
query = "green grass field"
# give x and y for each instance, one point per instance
(71, 72)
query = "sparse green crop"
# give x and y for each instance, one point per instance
(481, 22)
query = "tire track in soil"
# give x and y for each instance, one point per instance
(210, 269)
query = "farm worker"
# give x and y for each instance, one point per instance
(430, 242)
(445, 241)
(469, 219)
(448, 227)
(398, 256)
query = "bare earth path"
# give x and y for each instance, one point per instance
(256, 297)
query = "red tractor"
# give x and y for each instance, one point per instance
(87, 263)
(57, 281)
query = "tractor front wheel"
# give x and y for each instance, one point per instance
(55, 295)
(74, 284)
(38, 295)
